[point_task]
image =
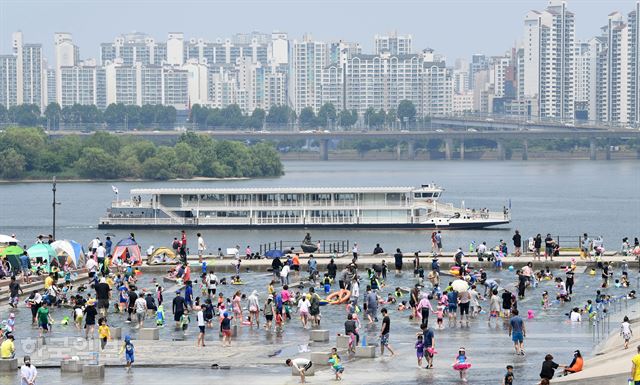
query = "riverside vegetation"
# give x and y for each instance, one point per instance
(28, 153)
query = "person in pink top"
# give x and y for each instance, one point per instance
(423, 308)
(237, 306)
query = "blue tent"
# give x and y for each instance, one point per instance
(274, 254)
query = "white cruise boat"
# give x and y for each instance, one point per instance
(289, 207)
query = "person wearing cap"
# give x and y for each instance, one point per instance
(90, 314)
(576, 364)
(7, 348)
(178, 307)
(28, 372)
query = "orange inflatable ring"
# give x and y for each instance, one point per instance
(339, 297)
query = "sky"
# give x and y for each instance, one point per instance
(454, 28)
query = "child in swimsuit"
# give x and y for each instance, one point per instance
(419, 349)
(128, 350)
(461, 364)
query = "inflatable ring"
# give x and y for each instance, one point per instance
(324, 302)
(238, 283)
(455, 272)
(339, 297)
(461, 366)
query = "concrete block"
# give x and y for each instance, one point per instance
(365, 351)
(319, 335)
(93, 371)
(8, 365)
(71, 366)
(320, 358)
(342, 342)
(149, 334)
(40, 342)
(234, 330)
(116, 333)
(308, 373)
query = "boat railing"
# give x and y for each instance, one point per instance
(130, 204)
(136, 221)
(296, 204)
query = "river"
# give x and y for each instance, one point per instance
(564, 198)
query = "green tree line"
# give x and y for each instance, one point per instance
(115, 115)
(30, 153)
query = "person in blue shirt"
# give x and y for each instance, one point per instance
(452, 299)
(129, 351)
(107, 245)
(188, 294)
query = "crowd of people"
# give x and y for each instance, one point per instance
(455, 298)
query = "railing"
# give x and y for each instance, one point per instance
(601, 328)
(327, 246)
(130, 204)
(136, 221)
(295, 204)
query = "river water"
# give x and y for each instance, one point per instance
(564, 198)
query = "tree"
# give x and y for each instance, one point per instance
(148, 114)
(114, 114)
(166, 116)
(4, 117)
(391, 117)
(307, 118)
(215, 118)
(280, 115)
(406, 111)
(199, 115)
(27, 141)
(347, 119)
(53, 113)
(374, 119)
(232, 115)
(24, 114)
(95, 163)
(257, 118)
(106, 141)
(12, 164)
(326, 114)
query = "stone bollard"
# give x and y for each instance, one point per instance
(320, 358)
(40, 342)
(149, 334)
(319, 335)
(71, 366)
(234, 330)
(8, 365)
(116, 333)
(342, 342)
(93, 371)
(365, 351)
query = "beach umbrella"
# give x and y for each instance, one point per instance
(12, 250)
(8, 239)
(460, 285)
(274, 254)
(41, 250)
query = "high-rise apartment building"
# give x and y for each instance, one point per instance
(8, 80)
(549, 52)
(392, 44)
(309, 60)
(634, 65)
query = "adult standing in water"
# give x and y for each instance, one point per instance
(517, 332)
(384, 333)
(517, 243)
(398, 261)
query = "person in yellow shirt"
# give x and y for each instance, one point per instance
(635, 368)
(48, 282)
(104, 333)
(7, 348)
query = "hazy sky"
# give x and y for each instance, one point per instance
(455, 28)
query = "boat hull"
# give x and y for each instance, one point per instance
(370, 226)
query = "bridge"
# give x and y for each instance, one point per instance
(449, 137)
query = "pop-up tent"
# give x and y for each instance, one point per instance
(162, 255)
(127, 248)
(69, 251)
(42, 251)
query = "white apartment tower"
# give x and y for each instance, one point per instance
(309, 60)
(549, 52)
(634, 65)
(67, 55)
(29, 72)
(393, 44)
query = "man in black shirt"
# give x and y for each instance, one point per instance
(517, 243)
(332, 269)
(350, 329)
(178, 308)
(384, 333)
(103, 293)
(506, 303)
(131, 303)
(548, 247)
(398, 261)
(14, 290)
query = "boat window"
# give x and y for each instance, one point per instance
(427, 195)
(435, 195)
(416, 195)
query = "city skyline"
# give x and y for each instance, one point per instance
(499, 29)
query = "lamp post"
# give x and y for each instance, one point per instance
(54, 204)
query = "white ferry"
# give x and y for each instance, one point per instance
(290, 207)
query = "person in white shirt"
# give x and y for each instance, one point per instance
(201, 326)
(355, 251)
(101, 252)
(284, 275)
(212, 284)
(301, 365)
(355, 292)
(28, 372)
(92, 267)
(94, 243)
(303, 310)
(141, 309)
(575, 315)
(201, 248)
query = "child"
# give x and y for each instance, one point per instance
(440, 316)
(508, 378)
(326, 283)
(104, 332)
(184, 322)
(402, 306)
(545, 300)
(225, 329)
(279, 322)
(334, 361)
(160, 316)
(461, 364)
(398, 292)
(420, 349)
(128, 350)
(626, 332)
